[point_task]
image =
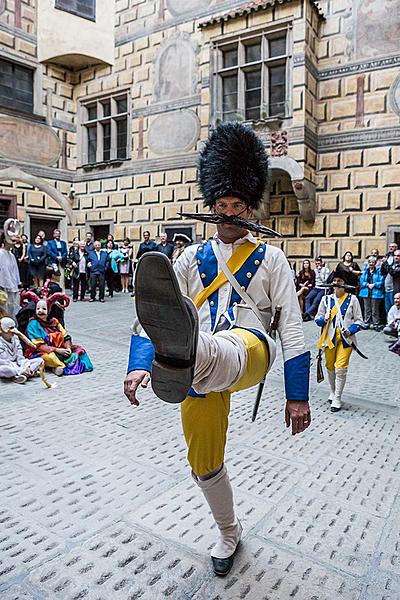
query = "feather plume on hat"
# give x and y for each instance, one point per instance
(233, 162)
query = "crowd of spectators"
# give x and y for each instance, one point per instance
(376, 283)
(89, 267)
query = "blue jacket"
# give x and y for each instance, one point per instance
(54, 252)
(97, 266)
(378, 279)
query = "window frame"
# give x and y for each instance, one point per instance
(242, 40)
(63, 5)
(85, 123)
(37, 69)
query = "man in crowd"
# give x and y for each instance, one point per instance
(9, 274)
(180, 241)
(386, 263)
(147, 245)
(97, 265)
(393, 270)
(165, 246)
(58, 252)
(313, 298)
(89, 244)
(393, 318)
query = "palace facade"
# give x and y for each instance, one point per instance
(104, 106)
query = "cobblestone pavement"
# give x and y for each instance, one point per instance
(97, 502)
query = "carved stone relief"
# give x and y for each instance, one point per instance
(174, 132)
(178, 7)
(279, 143)
(175, 69)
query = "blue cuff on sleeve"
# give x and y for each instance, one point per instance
(297, 377)
(354, 328)
(141, 354)
(320, 321)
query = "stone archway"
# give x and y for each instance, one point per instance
(16, 174)
(303, 189)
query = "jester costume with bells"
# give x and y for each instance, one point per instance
(204, 322)
(340, 317)
(52, 341)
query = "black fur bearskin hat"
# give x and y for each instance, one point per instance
(233, 162)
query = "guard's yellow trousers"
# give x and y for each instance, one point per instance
(337, 357)
(205, 420)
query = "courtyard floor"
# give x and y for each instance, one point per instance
(97, 503)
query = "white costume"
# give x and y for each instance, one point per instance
(9, 280)
(12, 360)
(269, 284)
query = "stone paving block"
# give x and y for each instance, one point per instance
(23, 544)
(367, 490)
(120, 563)
(16, 592)
(260, 475)
(383, 586)
(377, 454)
(263, 572)
(325, 530)
(181, 515)
(389, 546)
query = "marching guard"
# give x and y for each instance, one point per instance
(340, 317)
(205, 323)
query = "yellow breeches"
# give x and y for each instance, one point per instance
(205, 419)
(51, 360)
(337, 357)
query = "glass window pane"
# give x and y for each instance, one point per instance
(230, 57)
(92, 144)
(253, 52)
(91, 112)
(277, 46)
(16, 86)
(122, 138)
(122, 105)
(277, 90)
(253, 98)
(106, 141)
(253, 114)
(80, 8)
(229, 85)
(106, 104)
(253, 79)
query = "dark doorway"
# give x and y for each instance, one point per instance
(171, 230)
(397, 238)
(100, 232)
(43, 224)
(8, 208)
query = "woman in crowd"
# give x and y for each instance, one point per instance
(37, 255)
(124, 265)
(52, 341)
(115, 258)
(372, 292)
(305, 280)
(352, 268)
(20, 250)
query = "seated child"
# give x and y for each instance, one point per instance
(13, 364)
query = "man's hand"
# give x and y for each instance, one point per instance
(298, 412)
(132, 382)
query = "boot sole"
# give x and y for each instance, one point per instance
(170, 320)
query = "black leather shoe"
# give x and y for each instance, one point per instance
(334, 409)
(222, 566)
(170, 320)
